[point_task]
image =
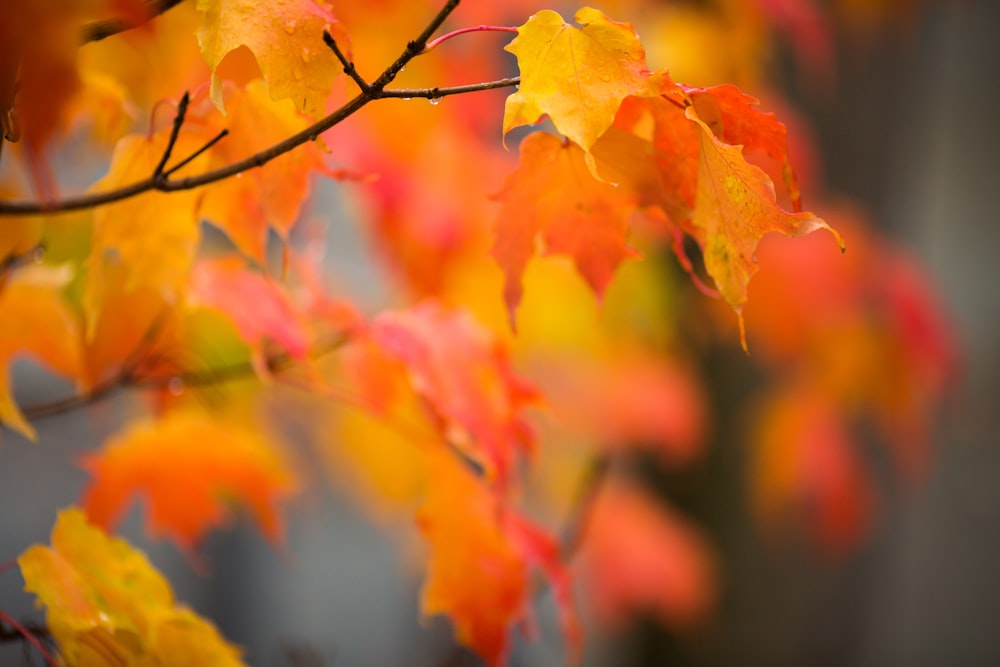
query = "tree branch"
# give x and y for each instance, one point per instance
(174, 133)
(349, 68)
(161, 181)
(435, 93)
(98, 30)
(127, 378)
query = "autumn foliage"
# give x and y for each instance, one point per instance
(540, 336)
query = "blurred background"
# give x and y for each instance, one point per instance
(903, 114)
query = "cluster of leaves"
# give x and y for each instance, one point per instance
(128, 293)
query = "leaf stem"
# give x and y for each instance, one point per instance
(26, 634)
(434, 43)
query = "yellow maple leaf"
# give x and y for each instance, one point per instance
(286, 38)
(154, 234)
(108, 606)
(578, 76)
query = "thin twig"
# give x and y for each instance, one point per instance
(174, 133)
(16, 259)
(574, 529)
(376, 90)
(414, 47)
(98, 30)
(124, 377)
(435, 93)
(24, 633)
(349, 68)
(208, 144)
(127, 378)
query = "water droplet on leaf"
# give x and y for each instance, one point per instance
(175, 386)
(290, 27)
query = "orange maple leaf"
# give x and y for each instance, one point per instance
(37, 323)
(185, 464)
(248, 204)
(38, 73)
(735, 207)
(641, 556)
(553, 196)
(481, 557)
(733, 117)
(633, 398)
(463, 373)
(260, 309)
(804, 459)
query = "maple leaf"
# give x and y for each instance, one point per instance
(38, 73)
(474, 538)
(464, 374)
(641, 556)
(804, 457)
(37, 323)
(245, 206)
(652, 149)
(633, 398)
(286, 38)
(553, 196)
(155, 255)
(256, 305)
(734, 208)
(577, 76)
(108, 606)
(184, 464)
(732, 116)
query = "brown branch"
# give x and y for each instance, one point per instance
(349, 68)
(127, 378)
(17, 259)
(208, 144)
(574, 530)
(98, 30)
(435, 93)
(175, 132)
(160, 182)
